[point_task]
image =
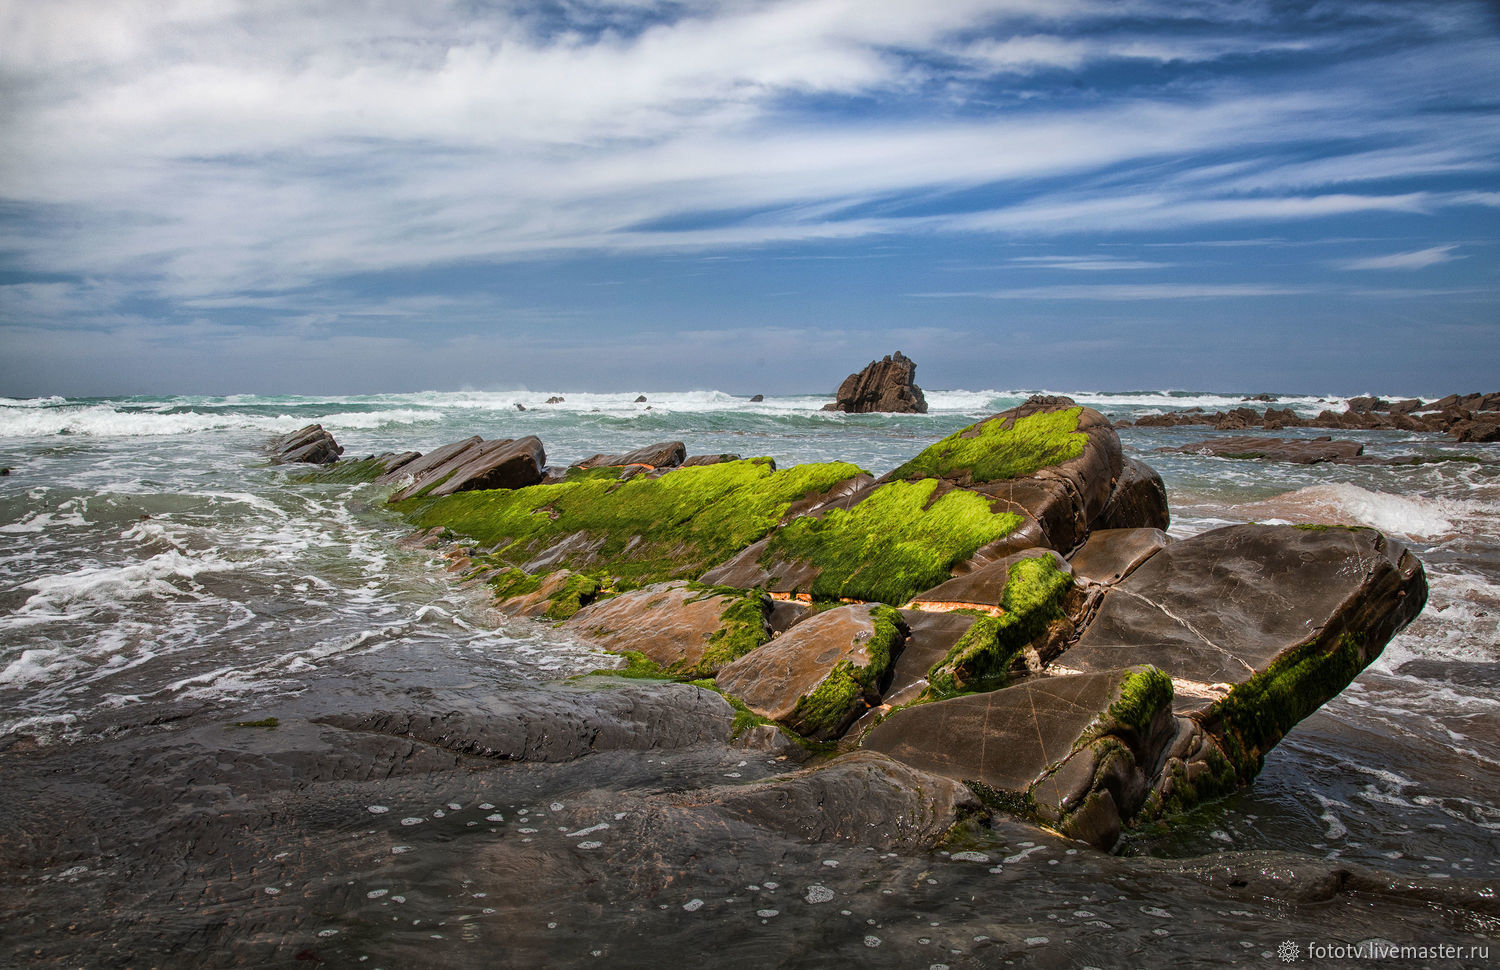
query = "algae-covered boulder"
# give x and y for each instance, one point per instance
(686, 630)
(820, 675)
(1011, 743)
(1257, 625)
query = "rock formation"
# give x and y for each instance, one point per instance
(1003, 612)
(888, 384)
(1468, 417)
(311, 445)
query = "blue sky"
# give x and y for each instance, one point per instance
(281, 197)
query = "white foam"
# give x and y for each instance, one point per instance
(1339, 503)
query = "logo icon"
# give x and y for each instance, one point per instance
(1288, 951)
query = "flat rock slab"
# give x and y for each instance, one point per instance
(1110, 555)
(1005, 739)
(1298, 451)
(862, 798)
(672, 624)
(469, 465)
(773, 679)
(1221, 607)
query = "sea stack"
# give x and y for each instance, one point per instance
(888, 384)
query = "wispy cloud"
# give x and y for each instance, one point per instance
(1131, 292)
(1418, 259)
(1089, 263)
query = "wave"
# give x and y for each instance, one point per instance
(1412, 516)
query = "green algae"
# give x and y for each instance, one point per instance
(1143, 694)
(1255, 715)
(742, 628)
(642, 530)
(999, 450)
(350, 471)
(893, 544)
(981, 659)
(265, 722)
(827, 709)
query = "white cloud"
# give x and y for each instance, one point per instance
(1418, 259)
(1131, 292)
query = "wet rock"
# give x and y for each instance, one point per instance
(556, 399)
(862, 798)
(667, 454)
(1110, 555)
(932, 636)
(696, 461)
(686, 630)
(1299, 451)
(311, 445)
(641, 399)
(885, 385)
(1257, 625)
(1139, 500)
(822, 673)
(1018, 743)
(757, 399)
(469, 465)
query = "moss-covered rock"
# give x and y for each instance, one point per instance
(821, 674)
(984, 657)
(645, 530)
(688, 630)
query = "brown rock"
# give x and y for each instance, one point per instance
(932, 636)
(887, 385)
(666, 454)
(1139, 500)
(843, 645)
(983, 588)
(1299, 451)
(1110, 555)
(676, 626)
(469, 465)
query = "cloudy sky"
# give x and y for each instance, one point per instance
(215, 196)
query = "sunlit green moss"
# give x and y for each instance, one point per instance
(1143, 694)
(742, 628)
(642, 530)
(982, 658)
(826, 711)
(893, 544)
(998, 450)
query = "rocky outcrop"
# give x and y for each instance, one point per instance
(1469, 417)
(667, 454)
(885, 385)
(1003, 611)
(311, 445)
(1298, 451)
(469, 465)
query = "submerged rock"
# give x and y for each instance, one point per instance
(1299, 451)
(886, 385)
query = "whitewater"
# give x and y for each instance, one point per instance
(158, 574)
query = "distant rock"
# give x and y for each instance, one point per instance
(641, 399)
(1298, 451)
(311, 445)
(556, 399)
(520, 406)
(885, 385)
(757, 399)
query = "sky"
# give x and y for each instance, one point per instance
(216, 196)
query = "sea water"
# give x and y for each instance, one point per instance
(157, 574)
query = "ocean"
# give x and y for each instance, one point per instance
(161, 583)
